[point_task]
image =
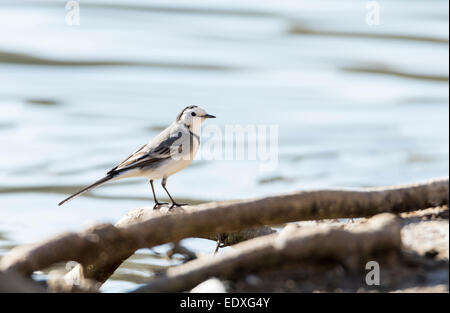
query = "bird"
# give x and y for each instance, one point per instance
(166, 154)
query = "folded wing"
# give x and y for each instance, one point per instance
(146, 156)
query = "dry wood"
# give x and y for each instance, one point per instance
(101, 249)
(380, 233)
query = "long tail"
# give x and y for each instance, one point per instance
(96, 184)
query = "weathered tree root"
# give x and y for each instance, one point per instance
(380, 233)
(101, 249)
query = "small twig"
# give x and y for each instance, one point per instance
(219, 241)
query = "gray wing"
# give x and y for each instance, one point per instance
(142, 158)
(131, 158)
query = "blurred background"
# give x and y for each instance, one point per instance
(357, 104)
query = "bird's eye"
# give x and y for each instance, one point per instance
(193, 114)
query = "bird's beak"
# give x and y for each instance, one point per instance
(209, 116)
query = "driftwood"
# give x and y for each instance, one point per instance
(379, 234)
(102, 248)
(303, 205)
(137, 216)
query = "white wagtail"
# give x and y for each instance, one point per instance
(166, 154)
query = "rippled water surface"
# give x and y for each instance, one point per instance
(356, 105)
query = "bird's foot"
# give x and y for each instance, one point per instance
(158, 204)
(177, 204)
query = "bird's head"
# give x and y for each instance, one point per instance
(193, 114)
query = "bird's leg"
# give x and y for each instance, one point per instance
(154, 197)
(174, 203)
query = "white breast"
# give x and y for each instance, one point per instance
(179, 160)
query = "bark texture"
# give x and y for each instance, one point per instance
(102, 248)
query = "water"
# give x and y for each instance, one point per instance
(356, 105)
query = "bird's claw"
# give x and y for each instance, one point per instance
(177, 204)
(158, 204)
